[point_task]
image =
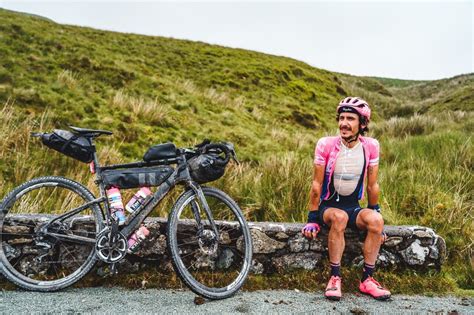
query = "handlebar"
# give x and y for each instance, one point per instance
(217, 148)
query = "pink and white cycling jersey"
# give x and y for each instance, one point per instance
(326, 153)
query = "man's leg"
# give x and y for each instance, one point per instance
(372, 221)
(337, 220)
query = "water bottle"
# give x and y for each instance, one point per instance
(138, 199)
(137, 238)
(116, 205)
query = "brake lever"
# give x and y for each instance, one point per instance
(36, 134)
(234, 157)
(231, 148)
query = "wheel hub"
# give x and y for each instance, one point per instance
(207, 241)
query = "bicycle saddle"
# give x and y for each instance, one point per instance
(90, 132)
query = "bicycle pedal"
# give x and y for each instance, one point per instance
(113, 269)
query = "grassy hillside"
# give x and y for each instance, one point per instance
(153, 89)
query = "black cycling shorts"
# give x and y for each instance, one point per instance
(352, 212)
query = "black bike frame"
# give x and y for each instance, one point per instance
(179, 176)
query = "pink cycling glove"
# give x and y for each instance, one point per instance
(311, 230)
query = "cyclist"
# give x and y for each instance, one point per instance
(341, 166)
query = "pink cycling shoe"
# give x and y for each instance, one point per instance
(374, 289)
(333, 290)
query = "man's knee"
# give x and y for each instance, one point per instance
(338, 220)
(375, 222)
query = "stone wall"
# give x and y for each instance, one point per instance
(279, 247)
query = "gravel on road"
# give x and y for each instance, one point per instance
(119, 300)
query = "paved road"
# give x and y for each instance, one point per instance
(117, 300)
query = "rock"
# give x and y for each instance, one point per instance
(31, 250)
(317, 245)
(21, 240)
(11, 252)
(224, 238)
(70, 256)
(434, 252)
(15, 229)
(358, 261)
(124, 266)
(298, 244)
(257, 267)
(358, 311)
(225, 259)
(102, 272)
(281, 236)
(262, 244)
(393, 241)
(387, 258)
(415, 254)
(203, 261)
(199, 300)
(306, 260)
(441, 244)
(425, 233)
(166, 265)
(155, 245)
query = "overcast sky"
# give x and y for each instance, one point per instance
(421, 40)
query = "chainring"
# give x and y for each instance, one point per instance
(111, 247)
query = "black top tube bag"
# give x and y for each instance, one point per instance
(160, 152)
(70, 144)
(136, 177)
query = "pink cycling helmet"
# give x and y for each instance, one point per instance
(351, 104)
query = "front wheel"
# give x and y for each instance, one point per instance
(214, 266)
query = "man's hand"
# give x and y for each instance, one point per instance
(311, 230)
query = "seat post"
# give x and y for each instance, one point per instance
(94, 154)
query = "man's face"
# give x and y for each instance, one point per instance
(348, 124)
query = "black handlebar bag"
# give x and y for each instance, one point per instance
(207, 167)
(70, 144)
(136, 177)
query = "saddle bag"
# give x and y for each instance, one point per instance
(70, 144)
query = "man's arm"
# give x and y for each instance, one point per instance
(373, 189)
(315, 194)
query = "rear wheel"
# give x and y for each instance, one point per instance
(211, 266)
(38, 253)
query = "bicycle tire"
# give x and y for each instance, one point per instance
(21, 194)
(185, 275)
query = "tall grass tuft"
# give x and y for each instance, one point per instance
(402, 127)
(68, 78)
(147, 110)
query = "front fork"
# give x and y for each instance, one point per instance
(195, 207)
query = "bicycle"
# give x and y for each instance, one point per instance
(54, 230)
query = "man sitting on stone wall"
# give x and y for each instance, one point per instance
(341, 166)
